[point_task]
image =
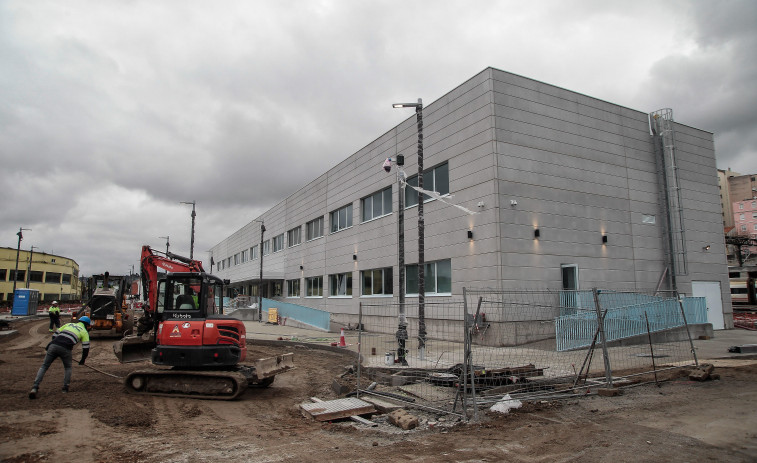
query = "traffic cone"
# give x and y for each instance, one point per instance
(342, 343)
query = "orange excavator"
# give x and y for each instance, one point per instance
(183, 328)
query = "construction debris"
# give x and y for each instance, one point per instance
(702, 373)
(402, 419)
(336, 409)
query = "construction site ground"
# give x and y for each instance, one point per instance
(97, 420)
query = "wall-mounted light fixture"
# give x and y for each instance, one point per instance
(470, 234)
(706, 248)
(604, 239)
(536, 234)
(354, 257)
(301, 267)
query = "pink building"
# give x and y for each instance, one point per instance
(745, 220)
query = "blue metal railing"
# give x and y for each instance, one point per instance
(578, 329)
(317, 318)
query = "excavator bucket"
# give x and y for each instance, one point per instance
(270, 367)
(134, 348)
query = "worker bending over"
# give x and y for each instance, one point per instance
(61, 346)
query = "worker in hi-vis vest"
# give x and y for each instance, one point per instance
(61, 346)
(54, 313)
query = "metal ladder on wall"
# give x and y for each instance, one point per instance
(663, 133)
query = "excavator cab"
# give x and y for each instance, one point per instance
(193, 332)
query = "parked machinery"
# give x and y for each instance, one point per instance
(107, 306)
(183, 327)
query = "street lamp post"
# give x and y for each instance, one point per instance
(421, 226)
(18, 250)
(260, 281)
(192, 242)
(167, 242)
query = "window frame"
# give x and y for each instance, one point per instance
(428, 272)
(309, 286)
(308, 229)
(335, 226)
(266, 247)
(335, 280)
(254, 252)
(277, 243)
(294, 236)
(411, 196)
(385, 284)
(383, 195)
(291, 284)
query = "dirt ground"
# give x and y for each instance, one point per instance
(680, 421)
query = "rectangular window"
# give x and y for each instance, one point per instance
(435, 179)
(254, 252)
(743, 228)
(277, 289)
(377, 282)
(377, 204)
(293, 288)
(244, 256)
(294, 236)
(35, 276)
(341, 218)
(569, 277)
(741, 205)
(278, 243)
(228, 262)
(3, 274)
(236, 259)
(52, 277)
(66, 280)
(314, 286)
(314, 228)
(741, 216)
(438, 277)
(340, 284)
(218, 267)
(266, 247)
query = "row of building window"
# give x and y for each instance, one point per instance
(375, 282)
(36, 277)
(754, 205)
(378, 204)
(742, 217)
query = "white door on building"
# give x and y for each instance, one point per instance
(710, 290)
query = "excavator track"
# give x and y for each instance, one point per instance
(217, 385)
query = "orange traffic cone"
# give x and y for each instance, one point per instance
(342, 343)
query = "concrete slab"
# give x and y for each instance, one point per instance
(336, 409)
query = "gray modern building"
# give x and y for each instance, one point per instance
(557, 190)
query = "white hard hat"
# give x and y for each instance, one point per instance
(55, 302)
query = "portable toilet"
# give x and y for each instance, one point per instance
(25, 302)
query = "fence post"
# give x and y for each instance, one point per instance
(467, 364)
(601, 326)
(359, 344)
(686, 323)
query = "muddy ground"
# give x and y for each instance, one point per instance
(98, 421)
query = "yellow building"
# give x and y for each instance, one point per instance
(55, 277)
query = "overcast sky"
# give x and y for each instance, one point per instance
(112, 112)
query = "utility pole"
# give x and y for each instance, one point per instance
(260, 282)
(18, 250)
(29, 269)
(192, 242)
(167, 242)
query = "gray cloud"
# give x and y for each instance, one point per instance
(112, 112)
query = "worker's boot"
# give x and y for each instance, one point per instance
(33, 393)
(64, 390)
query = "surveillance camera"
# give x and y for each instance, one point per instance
(388, 164)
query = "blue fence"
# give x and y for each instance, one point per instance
(577, 329)
(317, 318)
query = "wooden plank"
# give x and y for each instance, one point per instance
(355, 418)
(336, 409)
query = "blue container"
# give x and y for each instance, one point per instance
(25, 302)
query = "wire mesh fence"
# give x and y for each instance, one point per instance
(495, 345)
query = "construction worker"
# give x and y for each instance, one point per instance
(61, 346)
(54, 313)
